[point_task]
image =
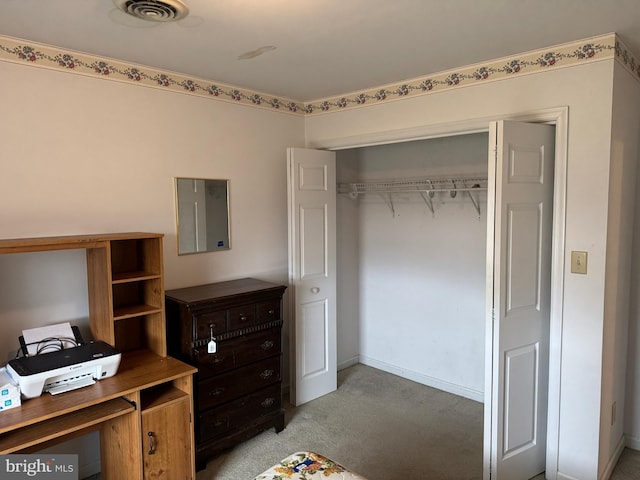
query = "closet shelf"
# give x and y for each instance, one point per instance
(426, 187)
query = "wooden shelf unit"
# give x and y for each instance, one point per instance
(150, 396)
(130, 270)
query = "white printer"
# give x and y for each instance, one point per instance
(64, 369)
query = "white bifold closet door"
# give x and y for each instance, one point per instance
(312, 272)
(519, 217)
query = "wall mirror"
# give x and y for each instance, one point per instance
(202, 208)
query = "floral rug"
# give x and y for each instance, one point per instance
(308, 466)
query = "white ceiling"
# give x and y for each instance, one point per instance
(324, 48)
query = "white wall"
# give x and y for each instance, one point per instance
(626, 146)
(625, 153)
(586, 90)
(83, 155)
(347, 260)
(421, 276)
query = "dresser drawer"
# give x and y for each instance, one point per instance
(257, 346)
(241, 317)
(218, 421)
(268, 311)
(212, 363)
(235, 383)
(221, 321)
(209, 322)
(238, 351)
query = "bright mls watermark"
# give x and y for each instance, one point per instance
(39, 466)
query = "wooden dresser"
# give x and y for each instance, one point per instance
(238, 390)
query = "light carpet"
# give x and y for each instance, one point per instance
(382, 427)
(379, 425)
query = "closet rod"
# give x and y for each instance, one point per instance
(426, 187)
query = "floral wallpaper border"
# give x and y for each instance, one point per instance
(562, 56)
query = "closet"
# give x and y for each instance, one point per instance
(411, 253)
(417, 281)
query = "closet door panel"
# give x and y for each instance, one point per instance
(524, 250)
(312, 272)
(313, 331)
(518, 291)
(313, 241)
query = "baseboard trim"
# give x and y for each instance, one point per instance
(445, 386)
(611, 464)
(348, 363)
(562, 476)
(632, 442)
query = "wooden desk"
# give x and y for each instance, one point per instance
(144, 413)
(119, 407)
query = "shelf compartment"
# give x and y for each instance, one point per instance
(64, 425)
(160, 396)
(141, 332)
(132, 299)
(136, 255)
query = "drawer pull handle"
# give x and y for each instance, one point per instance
(243, 318)
(218, 423)
(267, 374)
(215, 359)
(152, 448)
(267, 402)
(217, 391)
(267, 345)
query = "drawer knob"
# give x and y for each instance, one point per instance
(267, 402)
(267, 345)
(267, 374)
(243, 318)
(315, 290)
(272, 311)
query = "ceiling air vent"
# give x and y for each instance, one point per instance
(154, 10)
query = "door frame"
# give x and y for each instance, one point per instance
(558, 116)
